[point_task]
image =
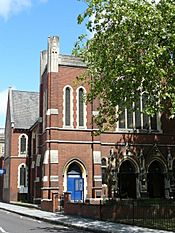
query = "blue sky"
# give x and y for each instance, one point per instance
(24, 27)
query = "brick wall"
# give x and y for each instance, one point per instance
(122, 210)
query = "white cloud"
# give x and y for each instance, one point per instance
(11, 7)
(3, 106)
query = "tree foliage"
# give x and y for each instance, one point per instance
(131, 51)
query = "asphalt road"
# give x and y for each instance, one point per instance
(14, 223)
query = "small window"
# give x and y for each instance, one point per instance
(22, 176)
(23, 144)
(103, 162)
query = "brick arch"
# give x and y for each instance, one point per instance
(83, 170)
(133, 162)
(78, 161)
(156, 171)
(127, 179)
(162, 163)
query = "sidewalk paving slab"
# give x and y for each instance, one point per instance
(75, 221)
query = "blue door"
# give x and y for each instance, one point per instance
(75, 182)
(75, 185)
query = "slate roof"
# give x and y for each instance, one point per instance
(24, 108)
(70, 60)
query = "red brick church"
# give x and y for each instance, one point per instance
(51, 147)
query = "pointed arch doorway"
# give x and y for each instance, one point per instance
(127, 180)
(75, 182)
(156, 183)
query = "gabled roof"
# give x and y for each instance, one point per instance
(24, 108)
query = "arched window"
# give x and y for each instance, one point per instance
(23, 140)
(67, 106)
(81, 107)
(22, 175)
(23, 144)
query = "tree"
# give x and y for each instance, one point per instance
(130, 53)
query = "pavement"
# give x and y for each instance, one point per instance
(75, 221)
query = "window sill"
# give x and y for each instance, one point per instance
(81, 127)
(22, 155)
(139, 131)
(68, 127)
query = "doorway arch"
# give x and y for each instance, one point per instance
(156, 180)
(127, 180)
(75, 181)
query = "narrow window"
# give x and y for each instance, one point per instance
(145, 116)
(122, 120)
(138, 115)
(67, 107)
(104, 171)
(81, 107)
(34, 146)
(23, 144)
(22, 176)
(154, 122)
(129, 118)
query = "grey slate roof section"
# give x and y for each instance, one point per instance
(24, 108)
(69, 60)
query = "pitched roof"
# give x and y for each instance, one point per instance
(24, 108)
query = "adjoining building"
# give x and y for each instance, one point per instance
(2, 144)
(22, 113)
(136, 159)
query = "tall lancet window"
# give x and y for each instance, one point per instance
(81, 107)
(67, 106)
(23, 141)
(23, 144)
(23, 176)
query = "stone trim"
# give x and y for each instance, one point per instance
(52, 111)
(97, 157)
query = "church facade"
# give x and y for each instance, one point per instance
(134, 160)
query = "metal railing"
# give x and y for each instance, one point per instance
(150, 213)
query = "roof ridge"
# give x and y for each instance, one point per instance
(25, 91)
(11, 105)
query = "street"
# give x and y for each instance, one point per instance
(14, 223)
